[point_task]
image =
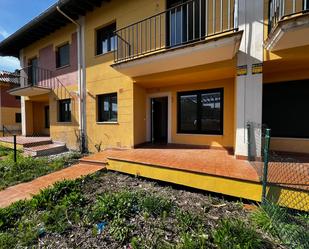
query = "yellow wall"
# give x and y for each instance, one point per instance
(101, 78)
(225, 140)
(58, 37)
(8, 117)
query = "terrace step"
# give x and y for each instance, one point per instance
(45, 149)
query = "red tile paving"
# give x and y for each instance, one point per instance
(208, 161)
(27, 190)
(21, 140)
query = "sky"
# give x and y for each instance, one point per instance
(13, 15)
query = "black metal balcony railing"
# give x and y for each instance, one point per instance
(279, 9)
(33, 76)
(194, 20)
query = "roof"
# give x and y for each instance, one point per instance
(9, 78)
(46, 23)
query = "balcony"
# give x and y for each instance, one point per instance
(34, 81)
(288, 24)
(194, 33)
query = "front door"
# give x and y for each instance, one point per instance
(159, 120)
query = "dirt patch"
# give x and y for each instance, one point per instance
(149, 232)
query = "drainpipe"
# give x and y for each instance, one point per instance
(81, 80)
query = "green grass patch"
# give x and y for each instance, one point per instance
(289, 228)
(29, 168)
(235, 234)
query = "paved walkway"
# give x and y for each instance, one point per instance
(27, 190)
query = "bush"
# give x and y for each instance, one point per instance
(235, 234)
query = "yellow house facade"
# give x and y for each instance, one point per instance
(115, 74)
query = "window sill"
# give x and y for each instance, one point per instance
(201, 134)
(107, 53)
(68, 122)
(59, 68)
(108, 122)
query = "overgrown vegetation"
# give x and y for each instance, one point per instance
(4, 151)
(28, 168)
(117, 211)
(291, 228)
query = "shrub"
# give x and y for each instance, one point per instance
(235, 234)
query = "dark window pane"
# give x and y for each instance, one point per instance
(17, 117)
(188, 113)
(65, 110)
(211, 112)
(107, 107)
(201, 112)
(63, 56)
(283, 108)
(106, 40)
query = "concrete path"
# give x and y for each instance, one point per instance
(27, 190)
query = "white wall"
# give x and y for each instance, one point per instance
(249, 87)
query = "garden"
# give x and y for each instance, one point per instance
(29, 168)
(113, 210)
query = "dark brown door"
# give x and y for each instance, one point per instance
(159, 120)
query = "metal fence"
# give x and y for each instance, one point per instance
(285, 180)
(185, 23)
(278, 9)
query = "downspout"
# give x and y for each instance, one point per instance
(81, 81)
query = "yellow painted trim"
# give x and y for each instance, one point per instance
(242, 189)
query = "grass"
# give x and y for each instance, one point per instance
(29, 168)
(140, 218)
(290, 228)
(4, 151)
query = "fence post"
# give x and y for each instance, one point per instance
(15, 149)
(266, 158)
(249, 140)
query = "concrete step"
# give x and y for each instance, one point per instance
(46, 149)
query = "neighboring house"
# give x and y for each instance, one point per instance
(10, 112)
(122, 73)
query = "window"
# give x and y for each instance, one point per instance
(284, 108)
(201, 112)
(17, 117)
(107, 108)
(65, 110)
(63, 56)
(106, 39)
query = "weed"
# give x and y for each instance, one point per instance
(188, 221)
(291, 230)
(120, 230)
(235, 234)
(193, 241)
(156, 205)
(7, 241)
(111, 205)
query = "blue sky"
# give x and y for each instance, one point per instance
(13, 15)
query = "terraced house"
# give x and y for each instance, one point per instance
(202, 73)
(10, 113)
